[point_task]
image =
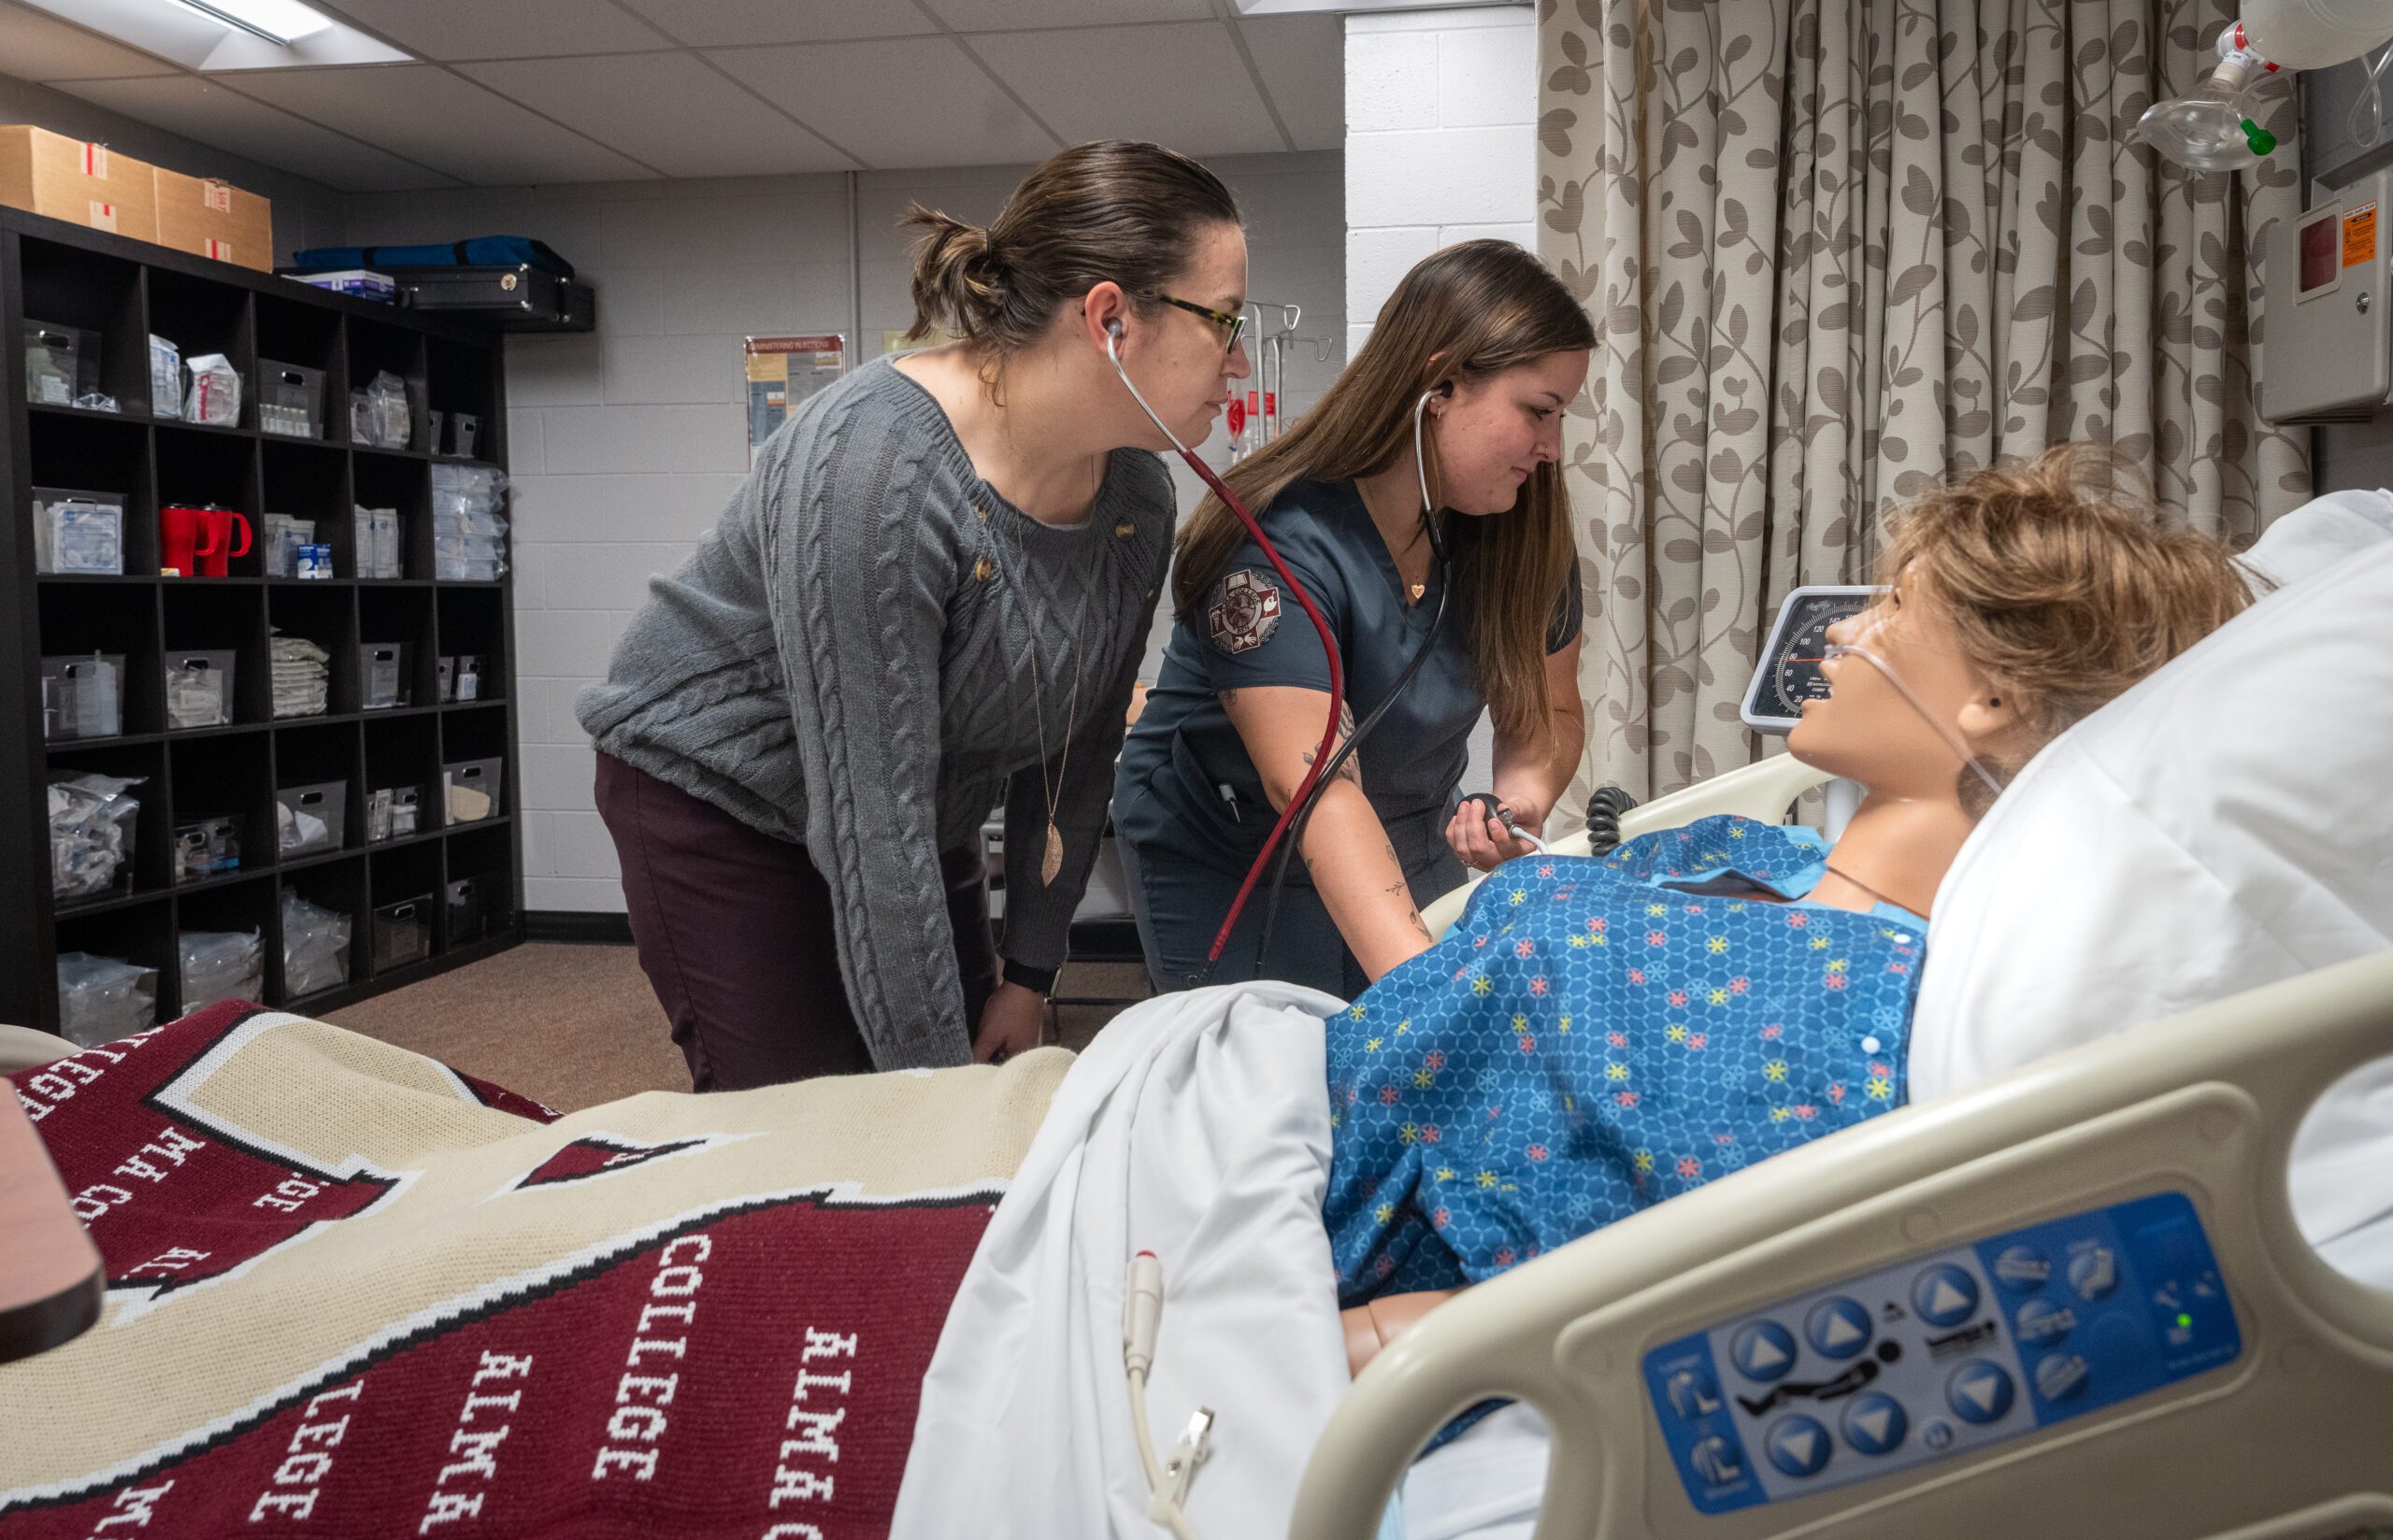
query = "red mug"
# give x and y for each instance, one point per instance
(214, 556)
(187, 537)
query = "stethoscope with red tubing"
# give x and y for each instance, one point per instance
(1331, 756)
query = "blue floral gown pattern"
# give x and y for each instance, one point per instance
(1597, 1035)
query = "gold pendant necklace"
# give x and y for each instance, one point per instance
(1051, 860)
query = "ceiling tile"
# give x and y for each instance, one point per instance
(667, 110)
(871, 97)
(499, 29)
(1302, 60)
(1027, 15)
(719, 23)
(213, 115)
(428, 114)
(1101, 83)
(35, 46)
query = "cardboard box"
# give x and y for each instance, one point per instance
(86, 184)
(214, 218)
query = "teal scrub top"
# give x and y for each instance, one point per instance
(1250, 632)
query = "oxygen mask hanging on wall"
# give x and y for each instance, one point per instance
(2213, 130)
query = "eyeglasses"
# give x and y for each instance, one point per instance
(1233, 327)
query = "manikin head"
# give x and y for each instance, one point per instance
(2018, 601)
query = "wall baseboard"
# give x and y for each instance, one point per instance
(578, 927)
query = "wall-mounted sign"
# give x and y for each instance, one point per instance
(782, 372)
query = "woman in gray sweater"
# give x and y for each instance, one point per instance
(931, 595)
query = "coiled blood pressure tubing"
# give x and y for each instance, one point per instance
(1331, 757)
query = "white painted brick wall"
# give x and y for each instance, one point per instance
(1441, 141)
(627, 443)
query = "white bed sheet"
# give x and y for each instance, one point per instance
(1195, 1126)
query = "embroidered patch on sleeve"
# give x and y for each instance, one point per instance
(1245, 611)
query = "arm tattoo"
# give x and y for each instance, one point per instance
(1229, 697)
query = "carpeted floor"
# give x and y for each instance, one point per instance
(575, 1026)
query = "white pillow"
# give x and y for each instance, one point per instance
(2224, 824)
(2321, 534)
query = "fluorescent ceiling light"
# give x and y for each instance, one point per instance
(276, 20)
(222, 37)
(1353, 8)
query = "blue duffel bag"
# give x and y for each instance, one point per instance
(482, 251)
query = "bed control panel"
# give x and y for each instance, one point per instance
(1942, 1355)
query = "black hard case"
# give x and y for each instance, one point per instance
(513, 299)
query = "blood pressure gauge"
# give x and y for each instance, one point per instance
(1790, 672)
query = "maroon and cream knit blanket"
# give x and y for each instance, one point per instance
(351, 1293)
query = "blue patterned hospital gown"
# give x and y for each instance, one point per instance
(1597, 1035)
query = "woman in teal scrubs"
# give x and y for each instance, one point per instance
(1497, 347)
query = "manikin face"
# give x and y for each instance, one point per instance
(1866, 730)
(1492, 433)
(1177, 357)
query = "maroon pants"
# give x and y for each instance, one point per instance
(734, 930)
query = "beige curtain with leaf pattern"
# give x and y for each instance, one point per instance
(1836, 250)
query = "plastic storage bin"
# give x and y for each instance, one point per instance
(78, 532)
(199, 689)
(291, 400)
(101, 999)
(471, 788)
(84, 697)
(221, 966)
(165, 379)
(403, 933)
(394, 812)
(382, 677)
(284, 536)
(62, 363)
(208, 848)
(315, 947)
(381, 542)
(92, 820)
(311, 818)
(469, 911)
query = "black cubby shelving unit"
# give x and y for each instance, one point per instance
(124, 291)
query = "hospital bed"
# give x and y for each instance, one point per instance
(2104, 1320)
(2072, 1299)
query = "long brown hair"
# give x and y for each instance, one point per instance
(1116, 210)
(1465, 313)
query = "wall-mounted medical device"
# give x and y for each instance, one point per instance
(1789, 671)
(2327, 356)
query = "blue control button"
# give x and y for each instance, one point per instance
(2061, 1377)
(1763, 1351)
(1938, 1434)
(1799, 1444)
(1944, 1296)
(1717, 1462)
(2094, 1273)
(1838, 1327)
(1875, 1423)
(1980, 1391)
(2042, 1323)
(1694, 1393)
(2021, 1269)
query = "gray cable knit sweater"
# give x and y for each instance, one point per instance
(846, 662)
